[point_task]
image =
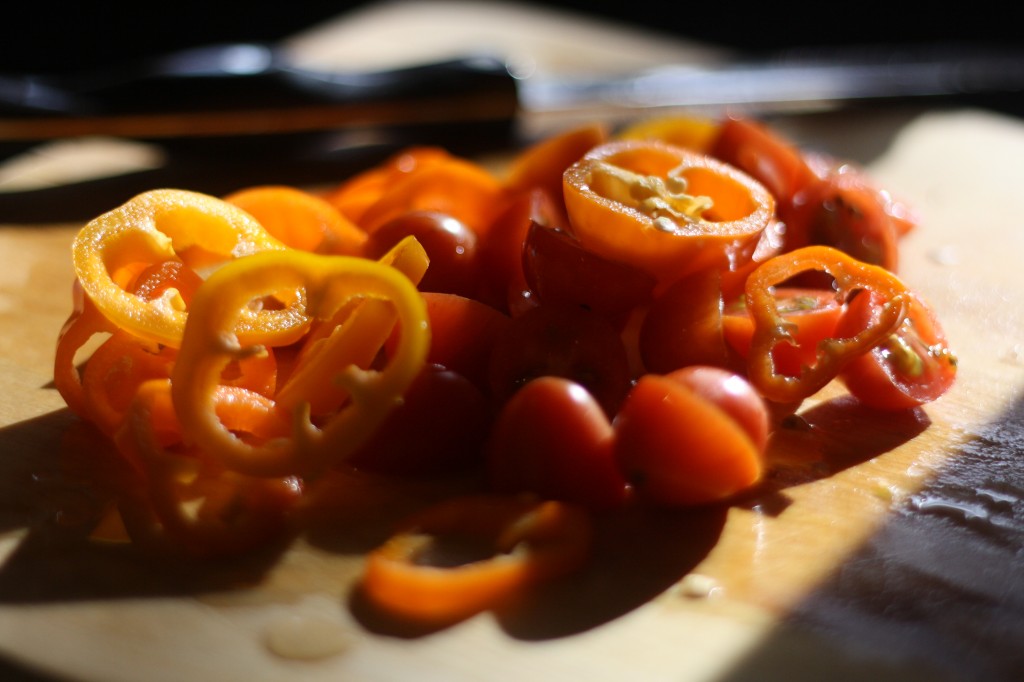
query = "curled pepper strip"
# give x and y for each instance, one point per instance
(189, 500)
(199, 230)
(526, 542)
(84, 322)
(771, 329)
(330, 282)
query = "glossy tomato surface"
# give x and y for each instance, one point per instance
(679, 448)
(553, 439)
(565, 341)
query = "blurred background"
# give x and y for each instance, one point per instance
(41, 37)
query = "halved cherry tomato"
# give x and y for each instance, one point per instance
(553, 439)
(542, 164)
(678, 446)
(516, 542)
(439, 428)
(914, 365)
(811, 315)
(501, 247)
(559, 270)
(684, 325)
(845, 212)
(664, 209)
(463, 331)
(765, 155)
(564, 341)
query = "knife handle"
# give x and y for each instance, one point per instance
(210, 97)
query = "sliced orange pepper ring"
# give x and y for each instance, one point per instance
(523, 541)
(330, 283)
(771, 328)
(201, 231)
(301, 220)
(665, 209)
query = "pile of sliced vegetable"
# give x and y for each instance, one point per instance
(614, 320)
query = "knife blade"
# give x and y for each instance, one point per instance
(234, 115)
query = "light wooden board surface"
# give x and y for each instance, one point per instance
(882, 548)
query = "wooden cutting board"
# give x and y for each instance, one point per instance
(883, 547)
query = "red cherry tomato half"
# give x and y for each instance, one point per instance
(501, 247)
(684, 325)
(565, 341)
(736, 396)
(847, 213)
(814, 314)
(553, 439)
(439, 428)
(559, 270)
(678, 447)
(451, 248)
(913, 366)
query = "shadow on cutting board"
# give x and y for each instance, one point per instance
(935, 594)
(59, 478)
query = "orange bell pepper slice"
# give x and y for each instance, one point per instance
(525, 541)
(664, 209)
(462, 189)
(330, 283)
(772, 328)
(356, 194)
(200, 231)
(301, 220)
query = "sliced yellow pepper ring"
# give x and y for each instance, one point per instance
(201, 231)
(771, 328)
(523, 541)
(330, 282)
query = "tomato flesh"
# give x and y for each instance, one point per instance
(914, 366)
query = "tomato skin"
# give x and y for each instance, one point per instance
(501, 248)
(565, 341)
(463, 332)
(450, 245)
(559, 270)
(553, 439)
(730, 391)
(678, 448)
(814, 313)
(914, 367)
(764, 155)
(845, 212)
(684, 325)
(439, 428)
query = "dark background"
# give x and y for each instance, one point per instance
(41, 37)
